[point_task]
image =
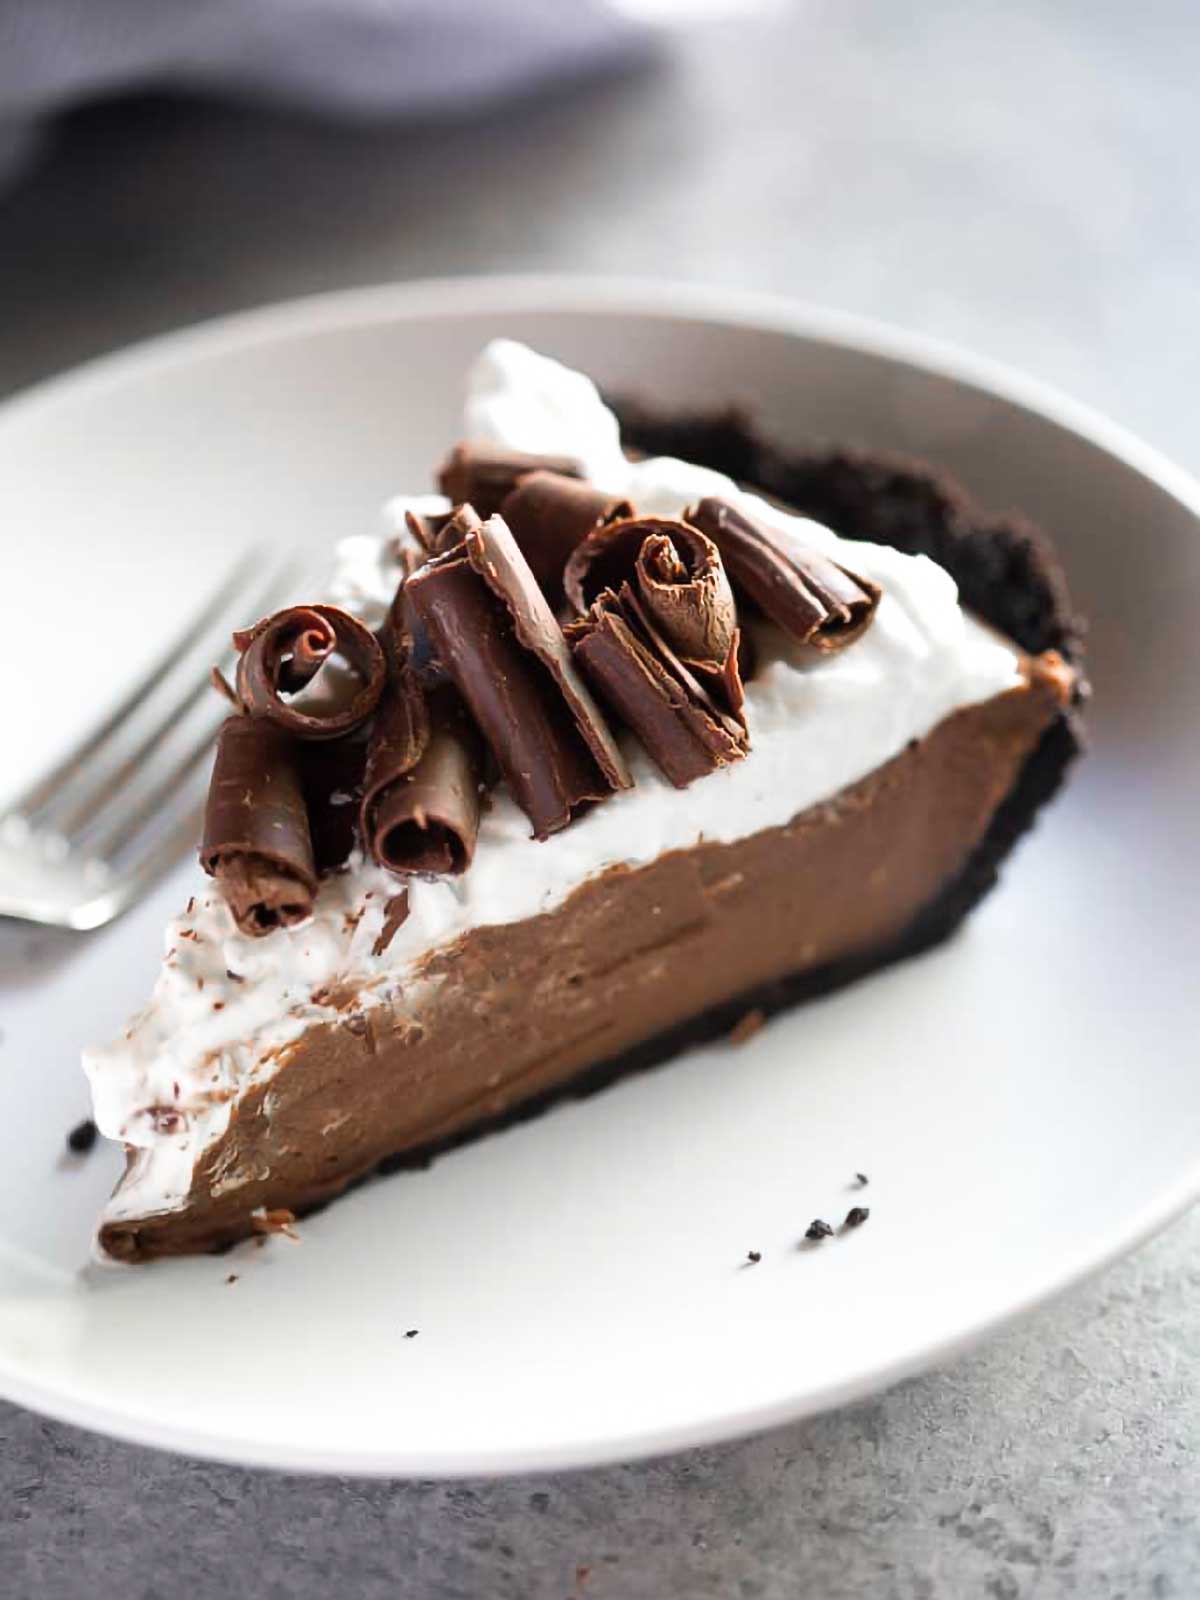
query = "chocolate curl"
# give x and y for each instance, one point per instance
(403, 633)
(633, 669)
(485, 476)
(256, 837)
(677, 575)
(817, 602)
(497, 639)
(549, 515)
(283, 653)
(426, 820)
(424, 816)
(404, 638)
(332, 771)
(441, 530)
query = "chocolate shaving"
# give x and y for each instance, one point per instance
(549, 515)
(424, 527)
(441, 530)
(407, 551)
(498, 640)
(283, 654)
(395, 915)
(221, 684)
(677, 574)
(634, 671)
(485, 476)
(819, 603)
(256, 842)
(421, 800)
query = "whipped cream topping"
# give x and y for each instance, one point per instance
(225, 1005)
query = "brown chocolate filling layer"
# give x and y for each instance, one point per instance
(632, 958)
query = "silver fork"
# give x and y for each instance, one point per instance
(85, 841)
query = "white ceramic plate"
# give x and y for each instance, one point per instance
(1025, 1101)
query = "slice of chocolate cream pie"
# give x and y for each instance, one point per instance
(591, 755)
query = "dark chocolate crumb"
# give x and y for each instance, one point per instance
(753, 1257)
(234, 977)
(191, 905)
(856, 1216)
(82, 1137)
(232, 1278)
(818, 1229)
(218, 1005)
(863, 1180)
(412, 1333)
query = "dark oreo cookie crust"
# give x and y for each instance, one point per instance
(1007, 575)
(1006, 570)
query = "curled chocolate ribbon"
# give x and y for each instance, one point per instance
(283, 654)
(485, 476)
(421, 800)
(635, 671)
(497, 638)
(819, 603)
(256, 840)
(677, 575)
(422, 794)
(549, 515)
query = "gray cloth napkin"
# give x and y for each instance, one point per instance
(358, 58)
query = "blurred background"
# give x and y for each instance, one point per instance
(1016, 175)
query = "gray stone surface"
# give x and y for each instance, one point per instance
(1016, 176)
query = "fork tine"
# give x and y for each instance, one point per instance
(127, 826)
(113, 898)
(37, 795)
(88, 806)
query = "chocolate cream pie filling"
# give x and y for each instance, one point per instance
(585, 758)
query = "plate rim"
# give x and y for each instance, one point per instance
(584, 294)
